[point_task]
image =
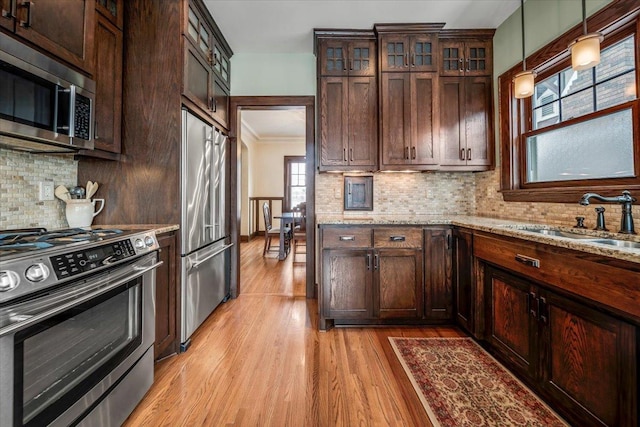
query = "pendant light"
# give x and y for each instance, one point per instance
(523, 82)
(585, 50)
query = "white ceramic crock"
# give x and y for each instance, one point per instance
(80, 212)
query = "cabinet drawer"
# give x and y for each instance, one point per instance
(397, 237)
(346, 237)
(582, 274)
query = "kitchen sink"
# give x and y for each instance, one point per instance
(618, 243)
(559, 233)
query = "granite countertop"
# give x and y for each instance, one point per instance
(503, 227)
(158, 228)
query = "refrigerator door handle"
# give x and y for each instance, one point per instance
(208, 257)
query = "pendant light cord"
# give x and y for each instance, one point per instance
(584, 17)
(524, 58)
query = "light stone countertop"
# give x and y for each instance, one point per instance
(505, 227)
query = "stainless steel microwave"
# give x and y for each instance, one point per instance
(45, 106)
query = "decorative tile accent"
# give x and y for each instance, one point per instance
(20, 174)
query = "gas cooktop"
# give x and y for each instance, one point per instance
(34, 239)
(42, 259)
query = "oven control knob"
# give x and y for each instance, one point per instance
(139, 244)
(148, 240)
(37, 273)
(8, 280)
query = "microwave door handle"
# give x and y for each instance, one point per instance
(72, 107)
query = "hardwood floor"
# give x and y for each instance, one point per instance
(259, 360)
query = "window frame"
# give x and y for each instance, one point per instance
(616, 21)
(288, 160)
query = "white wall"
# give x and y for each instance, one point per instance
(266, 163)
(273, 74)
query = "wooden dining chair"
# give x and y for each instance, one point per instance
(300, 233)
(269, 231)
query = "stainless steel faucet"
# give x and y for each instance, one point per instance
(626, 200)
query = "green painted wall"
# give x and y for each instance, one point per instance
(273, 74)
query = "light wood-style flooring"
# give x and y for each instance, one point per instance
(259, 360)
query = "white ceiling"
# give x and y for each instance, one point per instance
(286, 26)
(273, 126)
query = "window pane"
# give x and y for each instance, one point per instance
(577, 105)
(598, 148)
(616, 91)
(548, 114)
(298, 195)
(546, 91)
(573, 81)
(616, 60)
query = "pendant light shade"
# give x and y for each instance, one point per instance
(524, 81)
(585, 50)
(524, 84)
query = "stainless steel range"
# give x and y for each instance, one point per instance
(77, 325)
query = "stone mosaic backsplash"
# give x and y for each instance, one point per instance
(393, 194)
(20, 174)
(489, 203)
(403, 193)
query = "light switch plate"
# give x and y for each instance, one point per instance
(45, 190)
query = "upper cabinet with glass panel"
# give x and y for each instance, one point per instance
(408, 47)
(343, 57)
(112, 10)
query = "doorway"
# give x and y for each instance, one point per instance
(248, 103)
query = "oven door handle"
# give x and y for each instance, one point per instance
(31, 320)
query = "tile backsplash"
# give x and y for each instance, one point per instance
(20, 174)
(403, 193)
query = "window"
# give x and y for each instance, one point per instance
(295, 181)
(579, 131)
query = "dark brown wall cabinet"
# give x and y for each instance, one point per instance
(113, 10)
(61, 28)
(207, 65)
(465, 95)
(348, 101)
(408, 52)
(108, 76)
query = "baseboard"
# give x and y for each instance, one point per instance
(244, 238)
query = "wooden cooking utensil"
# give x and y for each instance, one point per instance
(62, 193)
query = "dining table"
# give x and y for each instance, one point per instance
(287, 219)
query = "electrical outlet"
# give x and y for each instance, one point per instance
(45, 190)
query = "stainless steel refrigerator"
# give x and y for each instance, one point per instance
(205, 240)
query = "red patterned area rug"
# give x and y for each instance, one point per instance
(460, 384)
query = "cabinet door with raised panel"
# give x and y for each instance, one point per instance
(590, 362)
(424, 148)
(398, 283)
(113, 10)
(396, 118)
(438, 292)
(362, 116)
(333, 57)
(63, 28)
(7, 11)
(198, 78)
(108, 76)
(463, 279)
(166, 297)
(333, 118)
(347, 277)
(478, 126)
(511, 330)
(452, 122)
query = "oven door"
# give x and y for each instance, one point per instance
(63, 352)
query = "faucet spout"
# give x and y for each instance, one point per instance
(626, 200)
